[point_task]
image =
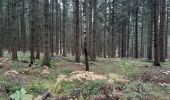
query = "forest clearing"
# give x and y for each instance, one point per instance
(84, 50)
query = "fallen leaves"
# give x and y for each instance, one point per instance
(84, 76)
(12, 73)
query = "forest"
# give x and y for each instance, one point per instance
(84, 49)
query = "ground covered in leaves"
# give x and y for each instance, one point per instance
(108, 79)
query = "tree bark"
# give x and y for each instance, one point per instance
(162, 29)
(136, 28)
(23, 29)
(1, 28)
(156, 34)
(150, 33)
(77, 32)
(46, 35)
(64, 27)
(57, 27)
(14, 31)
(32, 25)
(94, 30)
(85, 35)
(90, 29)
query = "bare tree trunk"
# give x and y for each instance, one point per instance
(123, 54)
(14, 31)
(142, 35)
(1, 28)
(32, 25)
(90, 30)
(60, 29)
(46, 35)
(105, 15)
(94, 29)
(136, 29)
(113, 47)
(77, 34)
(156, 34)
(167, 28)
(162, 29)
(52, 28)
(85, 35)
(57, 27)
(64, 27)
(38, 31)
(150, 36)
(23, 30)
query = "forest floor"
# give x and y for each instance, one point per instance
(108, 79)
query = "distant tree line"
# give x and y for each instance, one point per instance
(93, 28)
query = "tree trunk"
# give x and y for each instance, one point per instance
(150, 35)
(136, 29)
(105, 17)
(52, 29)
(167, 28)
(94, 29)
(77, 34)
(38, 30)
(85, 35)
(64, 27)
(57, 27)
(90, 29)
(123, 54)
(46, 34)
(1, 28)
(156, 33)
(14, 30)
(162, 29)
(32, 25)
(23, 30)
(113, 47)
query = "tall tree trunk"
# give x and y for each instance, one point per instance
(64, 27)
(94, 29)
(162, 29)
(136, 28)
(8, 24)
(85, 35)
(90, 29)
(156, 33)
(52, 29)
(77, 34)
(150, 35)
(142, 34)
(38, 30)
(1, 28)
(105, 17)
(46, 35)
(14, 30)
(167, 28)
(128, 31)
(57, 27)
(113, 50)
(23, 30)
(32, 25)
(123, 50)
(60, 29)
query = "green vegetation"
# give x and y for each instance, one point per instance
(36, 84)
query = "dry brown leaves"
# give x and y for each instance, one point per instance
(90, 76)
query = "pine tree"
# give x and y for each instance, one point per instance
(162, 29)
(77, 32)
(46, 34)
(156, 33)
(14, 30)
